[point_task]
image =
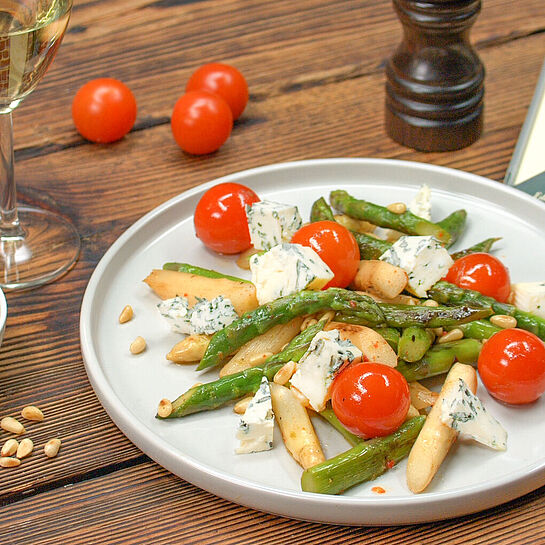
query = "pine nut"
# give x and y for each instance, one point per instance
(32, 413)
(51, 448)
(9, 448)
(11, 425)
(452, 335)
(438, 331)
(241, 405)
(284, 373)
(9, 462)
(26, 446)
(430, 303)
(307, 322)
(165, 408)
(504, 321)
(138, 345)
(397, 207)
(126, 314)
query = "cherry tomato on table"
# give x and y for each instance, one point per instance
(370, 399)
(220, 218)
(223, 80)
(201, 122)
(512, 366)
(104, 110)
(335, 245)
(483, 273)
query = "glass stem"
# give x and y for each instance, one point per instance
(9, 221)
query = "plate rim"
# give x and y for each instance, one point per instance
(249, 493)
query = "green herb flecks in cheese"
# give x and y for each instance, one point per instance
(464, 412)
(529, 296)
(176, 312)
(423, 259)
(271, 223)
(256, 426)
(325, 357)
(286, 269)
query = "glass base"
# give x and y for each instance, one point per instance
(48, 248)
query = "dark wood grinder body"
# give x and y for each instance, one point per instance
(434, 81)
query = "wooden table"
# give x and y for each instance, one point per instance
(316, 75)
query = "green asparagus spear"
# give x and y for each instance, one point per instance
(414, 343)
(329, 416)
(439, 359)
(194, 269)
(390, 334)
(479, 329)
(363, 462)
(212, 395)
(321, 211)
(444, 292)
(454, 224)
(483, 246)
(379, 215)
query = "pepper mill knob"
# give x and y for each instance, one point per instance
(434, 81)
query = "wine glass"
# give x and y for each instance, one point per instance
(36, 245)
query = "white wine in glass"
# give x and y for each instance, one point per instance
(36, 246)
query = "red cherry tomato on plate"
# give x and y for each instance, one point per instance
(220, 218)
(512, 366)
(370, 399)
(104, 110)
(483, 273)
(223, 80)
(336, 246)
(201, 122)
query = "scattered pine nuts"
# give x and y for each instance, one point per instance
(126, 314)
(26, 446)
(51, 448)
(284, 373)
(9, 462)
(138, 345)
(397, 207)
(11, 425)
(32, 413)
(165, 408)
(9, 448)
(430, 303)
(452, 335)
(504, 321)
(241, 405)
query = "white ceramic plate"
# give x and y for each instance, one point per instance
(200, 448)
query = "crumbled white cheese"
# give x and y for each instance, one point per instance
(423, 259)
(529, 296)
(271, 223)
(256, 425)
(317, 368)
(204, 317)
(464, 412)
(286, 269)
(421, 204)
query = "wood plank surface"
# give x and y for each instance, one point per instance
(316, 75)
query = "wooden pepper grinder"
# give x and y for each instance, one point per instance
(434, 87)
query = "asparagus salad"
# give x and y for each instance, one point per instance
(345, 317)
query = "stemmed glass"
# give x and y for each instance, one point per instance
(36, 245)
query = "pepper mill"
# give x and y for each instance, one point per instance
(434, 81)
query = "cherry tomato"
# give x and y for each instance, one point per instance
(370, 399)
(223, 80)
(483, 273)
(336, 246)
(220, 218)
(104, 110)
(201, 122)
(512, 366)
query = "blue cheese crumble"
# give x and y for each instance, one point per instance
(286, 269)
(205, 317)
(529, 296)
(464, 412)
(271, 223)
(423, 259)
(325, 357)
(421, 204)
(256, 426)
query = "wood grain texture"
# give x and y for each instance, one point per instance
(316, 75)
